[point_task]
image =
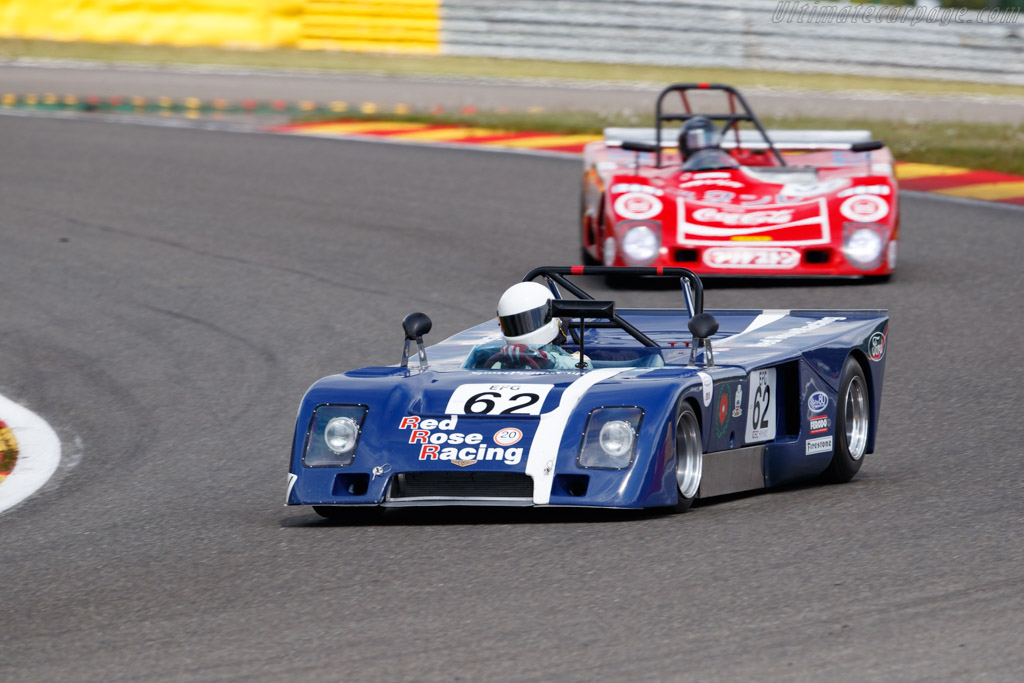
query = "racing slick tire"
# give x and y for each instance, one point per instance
(689, 457)
(352, 515)
(853, 420)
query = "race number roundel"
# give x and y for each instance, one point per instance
(864, 208)
(637, 205)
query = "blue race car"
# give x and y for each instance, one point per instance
(663, 407)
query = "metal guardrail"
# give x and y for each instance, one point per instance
(745, 34)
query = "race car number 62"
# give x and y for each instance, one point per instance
(498, 399)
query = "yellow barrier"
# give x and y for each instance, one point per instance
(410, 26)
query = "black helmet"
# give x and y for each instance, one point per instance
(698, 133)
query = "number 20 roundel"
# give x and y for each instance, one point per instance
(498, 399)
(761, 408)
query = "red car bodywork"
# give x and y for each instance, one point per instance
(824, 213)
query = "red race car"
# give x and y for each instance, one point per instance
(724, 196)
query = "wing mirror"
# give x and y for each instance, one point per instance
(702, 327)
(415, 325)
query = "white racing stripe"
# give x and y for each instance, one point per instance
(540, 461)
(767, 317)
(38, 453)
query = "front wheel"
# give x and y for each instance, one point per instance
(689, 458)
(853, 417)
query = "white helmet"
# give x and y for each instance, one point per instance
(524, 315)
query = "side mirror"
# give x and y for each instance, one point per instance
(702, 327)
(415, 326)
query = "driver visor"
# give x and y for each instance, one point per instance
(701, 138)
(518, 324)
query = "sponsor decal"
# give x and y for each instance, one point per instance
(774, 339)
(440, 440)
(712, 174)
(737, 407)
(637, 205)
(719, 196)
(865, 208)
(707, 386)
(789, 224)
(508, 436)
(710, 215)
(865, 189)
(819, 445)
(811, 189)
(498, 399)
(819, 425)
(723, 413)
(712, 181)
(761, 408)
(817, 401)
(636, 187)
(876, 345)
(774, 258)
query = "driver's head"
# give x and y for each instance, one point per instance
(698, 133)
(524, 315)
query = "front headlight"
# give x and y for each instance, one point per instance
(333, 435)
(640, 242)
(609, 439)
(863, 244)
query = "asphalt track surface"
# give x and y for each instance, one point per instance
(81, 78)
(168, 295)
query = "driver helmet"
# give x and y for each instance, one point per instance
(524, 315)
(698, 133)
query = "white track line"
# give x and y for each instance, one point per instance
(38, 453)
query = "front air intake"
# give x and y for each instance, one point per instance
(461, 485)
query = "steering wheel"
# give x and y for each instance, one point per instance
(507, 360)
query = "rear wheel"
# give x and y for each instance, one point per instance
(853, 419)
(689, 458)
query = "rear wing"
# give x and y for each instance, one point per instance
(801, 140)
(732, 137)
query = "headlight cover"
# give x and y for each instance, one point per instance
(609, 439)
(864, 244)
(640, 241)
(333, 435)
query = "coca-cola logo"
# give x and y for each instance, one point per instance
(711, 215)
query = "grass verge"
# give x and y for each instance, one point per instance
(479, 67)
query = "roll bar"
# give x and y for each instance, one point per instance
(730, 119)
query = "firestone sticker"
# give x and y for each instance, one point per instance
(637, 205)
(822, 445)
(439, 440)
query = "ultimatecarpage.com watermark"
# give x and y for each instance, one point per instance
(794, 11)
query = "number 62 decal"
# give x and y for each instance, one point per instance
(761, 406)
(498, 399)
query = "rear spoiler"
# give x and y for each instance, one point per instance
(802, 140)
